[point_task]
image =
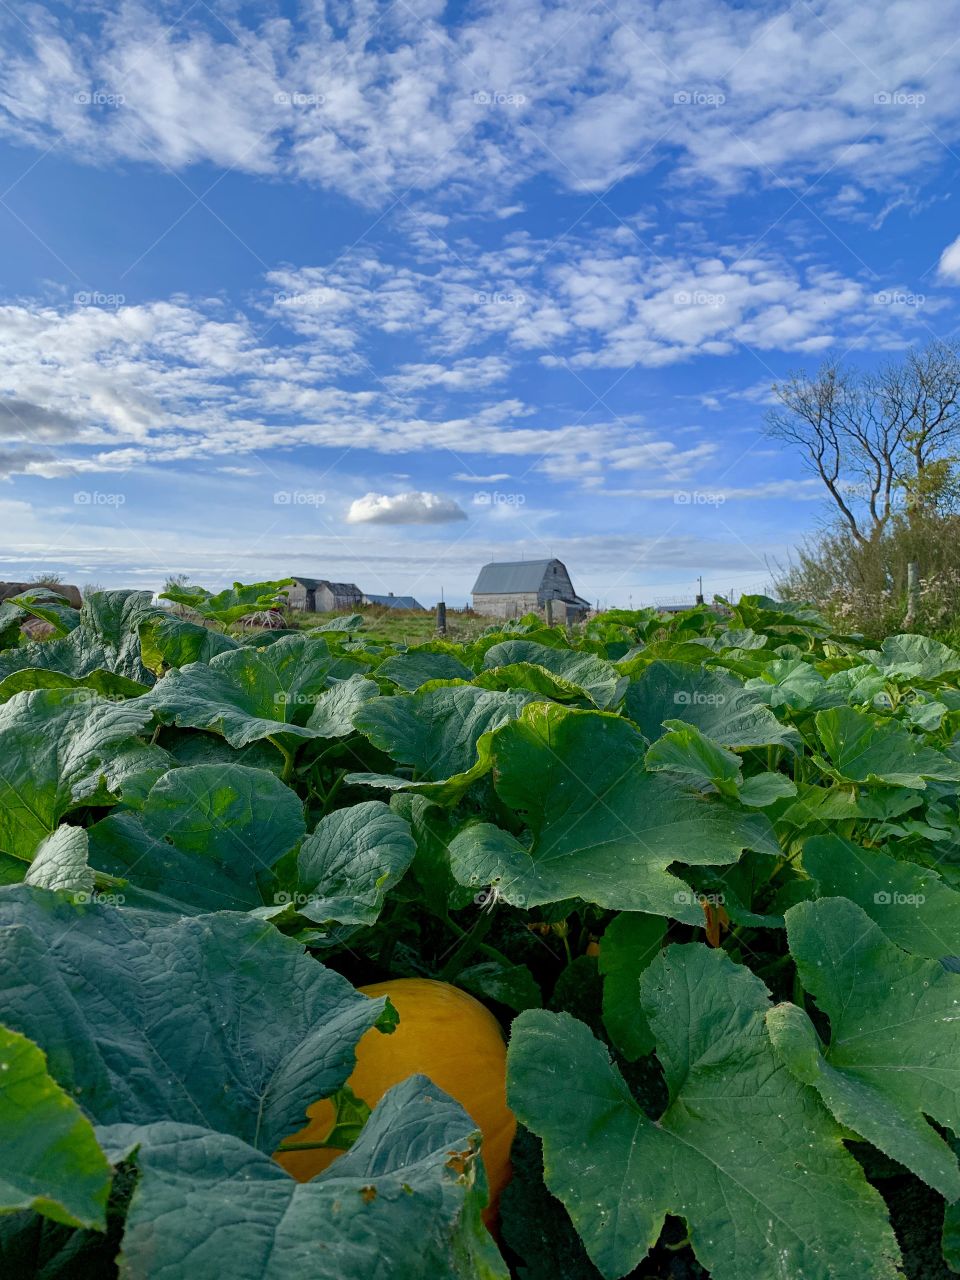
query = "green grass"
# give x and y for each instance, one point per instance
(402, 626)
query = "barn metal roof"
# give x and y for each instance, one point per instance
(512, 576)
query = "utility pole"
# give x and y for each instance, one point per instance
(700, 589)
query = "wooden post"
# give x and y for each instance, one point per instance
(549, 612)
(441, 619)
(913, 593)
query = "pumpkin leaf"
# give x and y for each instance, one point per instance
(215, 1020)
(600, 680)
(714, 702)
(105, 639)
(249, 694)
(50, 1160)
(54, 746)
(350, 862)
(332, 717)
(630, 944)
(863, 749)
(912, 905)
(60, 862)
(442, 735)
(743, 1152)
(167, 641)
(203, 837)
(606, 833)
(685, 750)
(407, 1195)
(414, 668)
(893, 1058)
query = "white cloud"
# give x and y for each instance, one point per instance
(376, 104)
(949, 265)
(404, 508)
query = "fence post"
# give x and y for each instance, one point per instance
(441, 619)
(549, 612)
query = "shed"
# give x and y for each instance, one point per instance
(390, 601)
(320, 595)
(510, 589)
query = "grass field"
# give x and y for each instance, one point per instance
(396, 626)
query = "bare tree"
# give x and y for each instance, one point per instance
(878, 441)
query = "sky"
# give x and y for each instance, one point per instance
(380, 292)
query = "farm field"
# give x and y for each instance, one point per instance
(343, 952)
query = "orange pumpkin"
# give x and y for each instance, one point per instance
(445, 1034)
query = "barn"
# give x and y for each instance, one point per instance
(391, 601)
(319, 595)
(511, 589)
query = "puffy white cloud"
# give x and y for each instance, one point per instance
(949, 266)
(404, 508)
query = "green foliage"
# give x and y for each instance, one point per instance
(758, 819)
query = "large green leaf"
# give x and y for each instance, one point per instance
(230, 604)
(49, 1158)
(795, 685)
(744, 1153)
(54, 745)
(911, 904)
(599, 679)
(863, 749)
(893, 1058)
(60, 862)
(168, 641)
(215, 1020)
(909, 657)
(249, 694)
(715, 702)
(107, 683)
(600, 827)
(202, 839)
(441, 735)
(403, 1203)
(412, 669)
(348, 865)
(106, 638)
(630, 944)
(332, 717)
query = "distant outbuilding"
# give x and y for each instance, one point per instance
(390, 601)
(319, 595)
(512, 588)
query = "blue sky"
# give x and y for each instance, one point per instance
(381, 291)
